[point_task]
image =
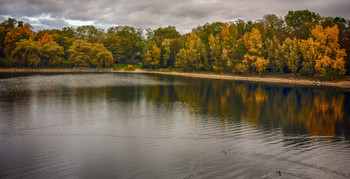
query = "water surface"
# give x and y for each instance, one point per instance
(156, 126)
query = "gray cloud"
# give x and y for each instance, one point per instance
(184, 14)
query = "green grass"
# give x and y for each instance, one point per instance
(126, 67)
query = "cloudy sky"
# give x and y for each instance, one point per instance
(184, 14)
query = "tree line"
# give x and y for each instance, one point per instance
(301, 43)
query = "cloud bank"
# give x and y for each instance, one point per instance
(184, 14)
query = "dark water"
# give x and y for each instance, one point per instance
(153, 126)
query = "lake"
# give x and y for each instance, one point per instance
(120, 125)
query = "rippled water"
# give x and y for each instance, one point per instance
(153, 126)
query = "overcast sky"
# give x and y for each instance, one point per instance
(184, 14)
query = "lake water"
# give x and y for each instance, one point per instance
(118, 125)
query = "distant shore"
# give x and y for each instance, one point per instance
(266, 79)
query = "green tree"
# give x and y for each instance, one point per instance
(161, 34)
(90, 33)
(297, 18)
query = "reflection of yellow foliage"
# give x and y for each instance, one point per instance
(317, 112)
(325, 114)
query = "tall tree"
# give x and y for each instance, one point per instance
(291, 54)
(80, 53)
(297, 18)
(215, 52)
(90, 33)
(161, 34)
(193, 56)
(329, 61)
(254, 46)
(167, 51)
(27, 53)
(100, 56)
(52, 53)
(155, 56)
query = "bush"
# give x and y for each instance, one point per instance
(65, 64)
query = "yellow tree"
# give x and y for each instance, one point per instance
(166, 55)
(309, 51)
(80, 53)
(193, 56)
(51, 53)
(226, 37)
(215, 50)
(253, 58)
(331, 61)
(322, 52)
(27, 53)
(100, 56)
(155, 56)
(228, 65)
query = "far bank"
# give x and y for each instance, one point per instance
(344, 83)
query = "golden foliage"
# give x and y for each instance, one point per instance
(322, 52)
(254, 45)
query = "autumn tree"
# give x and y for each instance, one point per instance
(27, 53)
(147, 59)
(255, 49)
(215, 52)
(323, 51)
(193, 56)
(64, 38)
(226, 37)
(80, 53)
(15, 35)
(155, 56)
(274, 54)
(52, 53)
(228, 64)
(100, 56)
(151, 55)
(45, 39)
(290, 51)
(167, 51)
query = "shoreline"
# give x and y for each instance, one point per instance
(276, 80)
